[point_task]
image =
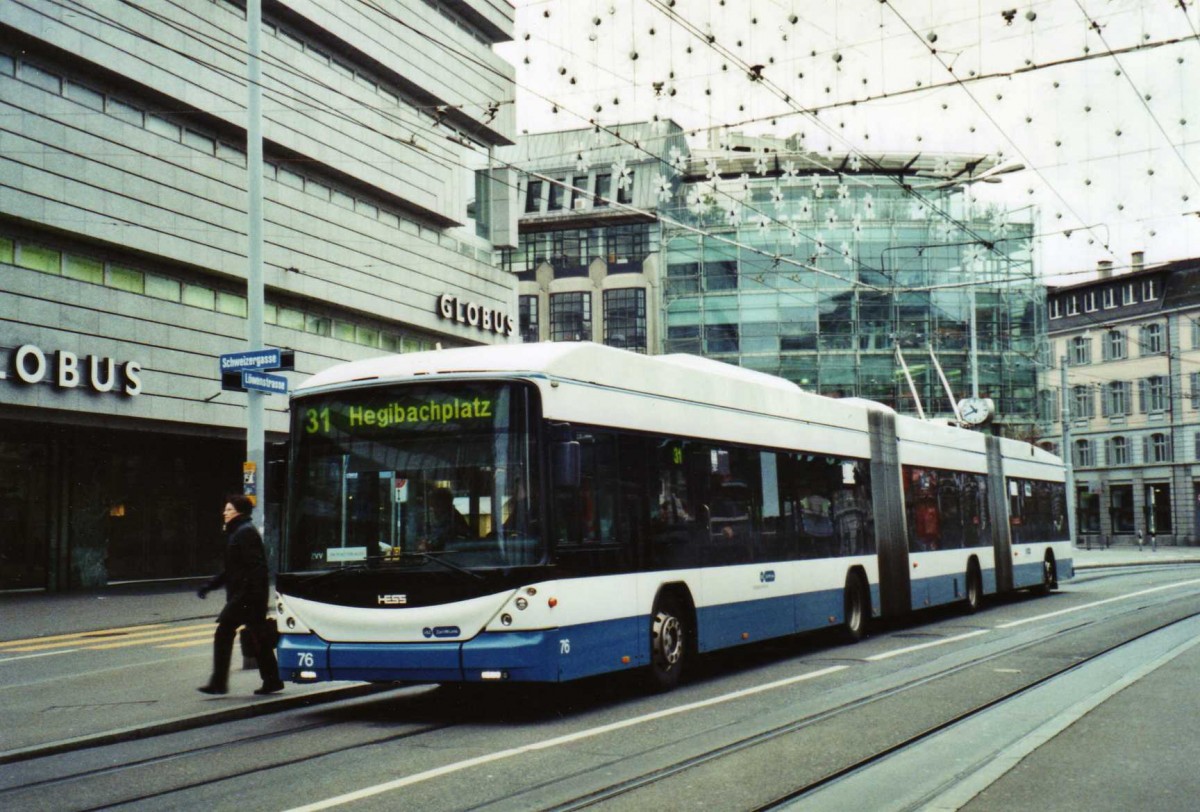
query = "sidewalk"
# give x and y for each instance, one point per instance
(1126, 555)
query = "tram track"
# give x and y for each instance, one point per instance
(710, 757)
(309, 742)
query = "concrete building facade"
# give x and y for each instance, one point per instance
(123, 247)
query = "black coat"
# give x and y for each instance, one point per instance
(246, 578)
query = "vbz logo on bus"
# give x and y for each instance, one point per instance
(766, 577)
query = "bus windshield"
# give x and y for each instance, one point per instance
(399, 475)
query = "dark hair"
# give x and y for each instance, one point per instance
(241, 503)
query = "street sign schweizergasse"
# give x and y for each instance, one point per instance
(234, 367)
(269, 358)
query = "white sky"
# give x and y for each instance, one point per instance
(1104, 117)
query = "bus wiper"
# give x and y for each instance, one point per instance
(449, 565)
(338, 573)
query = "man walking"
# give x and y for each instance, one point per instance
(245, 579)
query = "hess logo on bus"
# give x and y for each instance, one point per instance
(391, 600)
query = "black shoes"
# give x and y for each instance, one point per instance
(272, 687)
(213, 689)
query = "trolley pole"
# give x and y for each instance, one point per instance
(1068, 461)
(255, 404)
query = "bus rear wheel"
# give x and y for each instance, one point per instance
(1048, 576)
(668, 643)
(974, 589)
(857, 608)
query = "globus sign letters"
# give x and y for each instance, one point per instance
(475, 315)
(100, 373)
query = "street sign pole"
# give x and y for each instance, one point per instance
(255, 406)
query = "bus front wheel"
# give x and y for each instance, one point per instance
(668, 643)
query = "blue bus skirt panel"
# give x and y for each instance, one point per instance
(522, 656)
(554, 655)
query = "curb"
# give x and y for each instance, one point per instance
(183, 723)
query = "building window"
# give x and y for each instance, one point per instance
(1128, 294)
(1194, 386)
(533, 196)
(568, 253)
(625, 189)
(1114, 345)
(603, 190)
(1116, 399)
(1083, 453)
(1154, 393)
(1056, 308)
(721, 337)
(1149, 290)
(528, 318)
(1110, 298)
(1082, 402)
(625, 318)
(1089, 302)
(571, 316)
(1081, 350)
(1158, 448)
(1072, 306)
(1152, 340)
(579, 194)
(558, 194)
(1118, 451)
(627, 245)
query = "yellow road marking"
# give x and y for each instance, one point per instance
(207, 633)
(191, 644)
(89, 639)
(77, 635)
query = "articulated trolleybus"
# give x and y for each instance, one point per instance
(546, 512)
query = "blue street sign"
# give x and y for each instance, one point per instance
(268, 358)
(264, 382)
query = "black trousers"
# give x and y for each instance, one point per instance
(227, 626)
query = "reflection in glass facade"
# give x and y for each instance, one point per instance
(820, 278)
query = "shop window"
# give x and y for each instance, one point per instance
(1087, 510)
(1120, 507)
(1158, 508)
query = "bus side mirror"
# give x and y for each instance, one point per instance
(567, 464)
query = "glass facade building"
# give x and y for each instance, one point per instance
(826, 277)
